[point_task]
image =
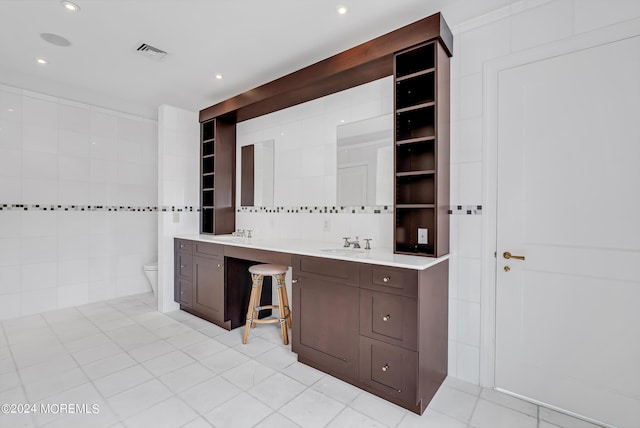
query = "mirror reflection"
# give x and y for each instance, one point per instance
(257, 175)
(365, 162)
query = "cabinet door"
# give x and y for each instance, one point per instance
(325, 325)
(208, 293)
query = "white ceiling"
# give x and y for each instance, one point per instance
(249, 42)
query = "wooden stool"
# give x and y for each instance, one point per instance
(277, 272)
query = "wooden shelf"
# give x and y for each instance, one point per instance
(416, 173)
(416, 107)
(416, 74)
(414, 206)
(415, 140)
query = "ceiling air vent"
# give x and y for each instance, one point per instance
(151, 52)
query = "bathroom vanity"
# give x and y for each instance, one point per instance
(375, 319)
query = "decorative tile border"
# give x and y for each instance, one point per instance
(124, 208)
(465, 210)
(382, 209)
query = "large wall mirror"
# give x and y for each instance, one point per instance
(365, 162)
(332, 151)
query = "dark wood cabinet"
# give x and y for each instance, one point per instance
(392, 321)
(208, 282)
(183, 272)
(217, 176)
(422, 150)
(199, 280)
(325, 324)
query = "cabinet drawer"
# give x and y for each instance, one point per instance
(184, 266)
(389, 318)
(389, 369)
(208, 250)
(183, 245)
(389, 280)
(183, 292)
(326, 269)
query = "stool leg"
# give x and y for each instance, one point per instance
(256, 302)
(255, 284)
(283, 318)
(286, 301)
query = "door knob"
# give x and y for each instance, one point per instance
(508, 255)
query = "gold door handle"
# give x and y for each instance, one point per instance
(508, 255)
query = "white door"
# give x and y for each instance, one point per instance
(568, 315)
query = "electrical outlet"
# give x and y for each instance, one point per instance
(423, 236)
(176, 217)
(326, 225)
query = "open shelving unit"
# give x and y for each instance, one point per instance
(216, 157)
(421, 105)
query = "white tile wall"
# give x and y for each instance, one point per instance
(178, 185)
(54, 151)
(523, 25)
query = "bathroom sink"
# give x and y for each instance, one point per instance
(353, 252)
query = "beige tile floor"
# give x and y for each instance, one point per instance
(141, 368)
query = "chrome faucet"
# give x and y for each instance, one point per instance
(348, 243)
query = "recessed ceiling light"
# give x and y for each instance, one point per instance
(70, 6)
(218, 76)
(10, 109)
(342, 10)
(41, 61)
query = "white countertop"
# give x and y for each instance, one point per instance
(322, 249)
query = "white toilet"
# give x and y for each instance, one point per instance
(151, 272)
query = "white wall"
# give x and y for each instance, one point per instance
(55, 152)
(514, 29)
(178, 190)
